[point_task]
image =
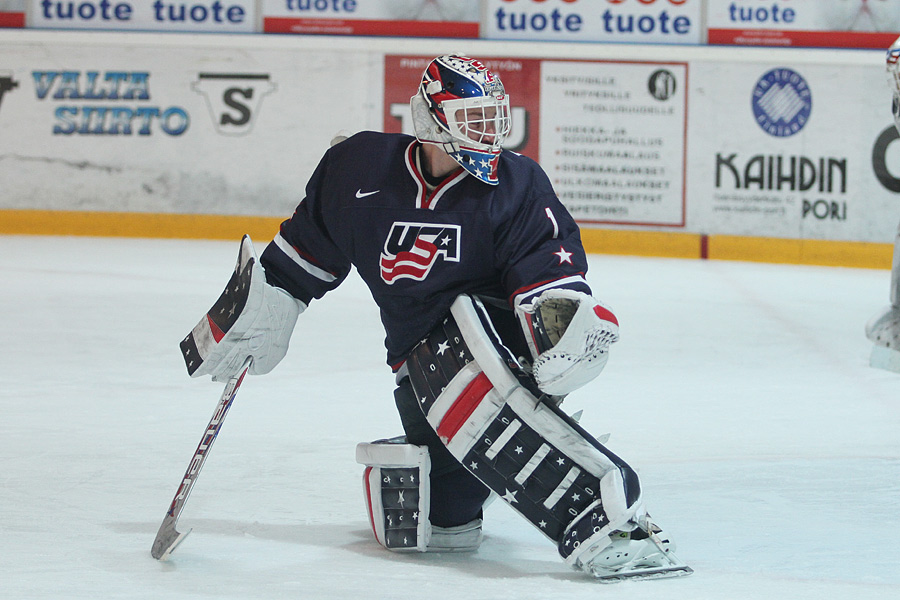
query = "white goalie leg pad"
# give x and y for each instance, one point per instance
(397, 493)
(884, 331)
(250, 318)
(895, 271)
(536, 458)
(569, 334)
(396, 487)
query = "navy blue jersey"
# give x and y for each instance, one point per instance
(367, 205)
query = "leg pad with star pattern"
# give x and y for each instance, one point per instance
(494, 420)
(395, 482)
(396, 486)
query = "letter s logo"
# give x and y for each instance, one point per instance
(244, 111)
(233, 99)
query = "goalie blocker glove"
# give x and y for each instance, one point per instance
(250, 318)
(569, 334)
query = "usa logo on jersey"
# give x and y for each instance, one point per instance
(412, 249)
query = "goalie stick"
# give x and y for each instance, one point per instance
(168, 538)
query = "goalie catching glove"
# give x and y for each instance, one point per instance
(569, 334)
(250, 318)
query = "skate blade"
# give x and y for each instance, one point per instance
(639, 574)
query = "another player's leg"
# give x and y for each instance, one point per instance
(883, 329)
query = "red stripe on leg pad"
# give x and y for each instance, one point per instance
(217, 333)
(605, 314)
(463, 407)
(368, 487)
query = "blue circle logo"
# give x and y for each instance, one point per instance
(781, 102)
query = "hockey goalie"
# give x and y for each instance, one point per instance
(479, 273)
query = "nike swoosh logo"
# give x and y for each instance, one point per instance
(362, 194)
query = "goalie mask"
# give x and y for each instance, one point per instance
(462, 107)
(893, 69)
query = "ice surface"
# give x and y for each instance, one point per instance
(741, 393)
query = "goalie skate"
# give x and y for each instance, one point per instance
(636, 554)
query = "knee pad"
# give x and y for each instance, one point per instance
(396, 485)
(493, 419)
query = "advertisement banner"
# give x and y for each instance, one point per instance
(610, 135)
(636, 21)
(159, 128)
(410, 18)
(803, 151)
(613, 140)
(12, 13)
(813, 23)
(219, 16)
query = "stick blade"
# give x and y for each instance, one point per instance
(167, 540)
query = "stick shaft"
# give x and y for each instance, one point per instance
(167, 538)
